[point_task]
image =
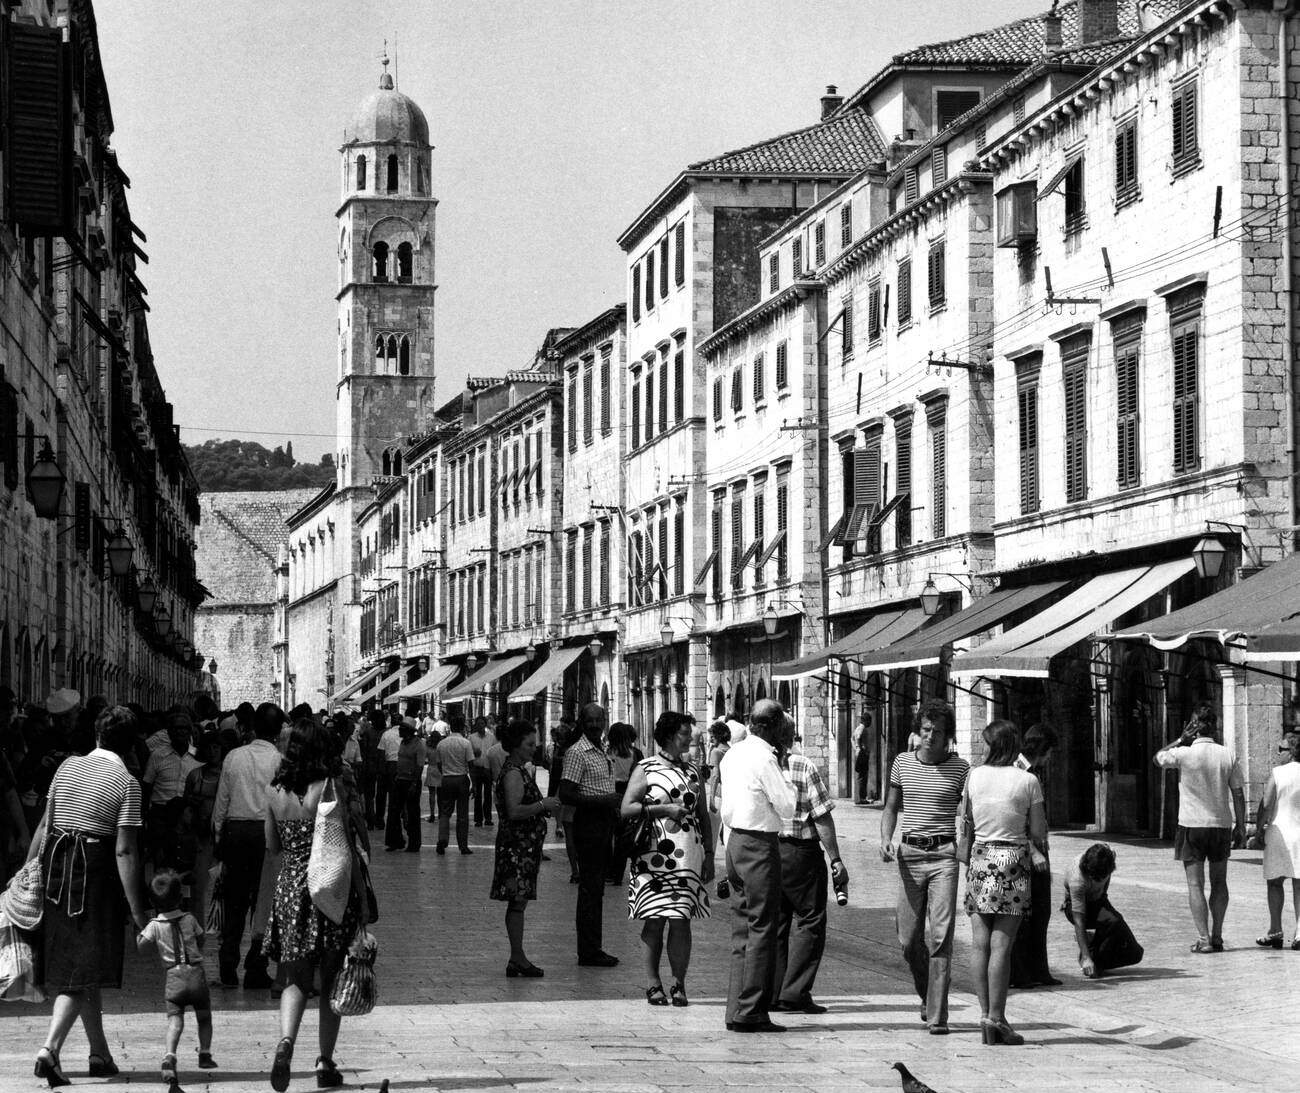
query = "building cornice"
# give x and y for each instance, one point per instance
(747, 320)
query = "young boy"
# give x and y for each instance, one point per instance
(179, 940)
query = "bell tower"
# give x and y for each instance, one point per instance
(386, 286)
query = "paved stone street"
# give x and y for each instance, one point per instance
(449, 1020)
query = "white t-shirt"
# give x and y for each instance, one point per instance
(1000, 800)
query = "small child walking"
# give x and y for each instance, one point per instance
(179, 938)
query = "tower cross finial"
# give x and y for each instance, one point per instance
(385, 80)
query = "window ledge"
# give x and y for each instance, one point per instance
(942, 305)
(1077, 226)
(902, 326)
(783, 393)
(760, 406)
(1186, 166)
(1128, 197)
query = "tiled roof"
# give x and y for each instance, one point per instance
(259, 516)
(239, 539)
(840, 145)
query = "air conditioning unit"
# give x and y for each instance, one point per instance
(1017, 212)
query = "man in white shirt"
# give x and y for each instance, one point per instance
(1208, 777)
(756, 803)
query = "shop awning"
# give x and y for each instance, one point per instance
(367, 677)
(379, 687)
(489, 673)
(1028, 649)
(1261, 614)
(882, 629)
(926, 646)
(434, 679)
(550, 670)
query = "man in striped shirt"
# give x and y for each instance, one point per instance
(927, 784)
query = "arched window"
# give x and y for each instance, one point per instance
(391, 354)
(604, 695)
(760, 691)
(404, 357)
(361, 172)
(379, 354)
(783, 695)
(397, 466)
(381, 262)
(738, 703)
(404, 263)
(386, 464)
(392, 174)
(720, 702)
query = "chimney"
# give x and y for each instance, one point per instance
(830, 101)
(1098, 21)
(1052, 32)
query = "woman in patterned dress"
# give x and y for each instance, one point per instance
(667, 887)
(523, 812)
(301, 939)
(1003, 813)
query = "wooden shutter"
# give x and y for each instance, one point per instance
(1127, 468)
(662, 559)
(679, 549)
(939, 166)
(679, 257)
(911, 185)
(679, 386)
(760, 507)
(796, 257)
(737, 537)
(717, 399)
(1126, 159)
(1184, 124)
(939, 478)
(1027, 400)
(873, 311)
(663, 268)
(904, 292)
(663, 392)
(846, 328)
(570, 571)
(936, 274)
(588, 408)
(866, 490)
(636, 292)
(1075, 384)
(636, 408)
(715, 530)
(737, 395)
(587, 534)
(819, 242)
(782, 528)
(38, 158)
(782, 366)
(1186, 396)
(650, 280)
(758, 379)
(846, 224)
(773, 272)
(903, 483)
(649, 419)
(603, 587)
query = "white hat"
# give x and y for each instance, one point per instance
(738, 731)
(62, 701)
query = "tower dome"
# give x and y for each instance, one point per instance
(387, 117)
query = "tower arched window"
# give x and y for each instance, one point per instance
(361, 172)
(391, 353)
(381, 262)
(397, 462)
(404, 357)
(405, 262)
(379, 354)
(386, 464)
(392, 173)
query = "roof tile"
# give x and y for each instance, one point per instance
(840, 145)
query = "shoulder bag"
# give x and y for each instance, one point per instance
(636, 835)
(356, 989)
(329, 868)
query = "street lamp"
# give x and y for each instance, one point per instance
(146, 596)
(163, 620)
(595, 647)
(666, 633)
(471, 662)
(45, 482)
(530, 654)
(770, 620)
(1208, 555)
(930, 598)
(119, 551)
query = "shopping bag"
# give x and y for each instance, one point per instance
(216, 921)
(19, 978)
(329, 868)
(356, 988)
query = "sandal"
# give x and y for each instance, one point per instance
(1295, 943)
(1270, 941)
(678, 992)
(1202, 945)
(327, 1074)
(101, 1066)
(169, 1069)
(47, 1067)
(655, 995)
(280, 1067)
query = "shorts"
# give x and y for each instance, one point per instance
(1198, 844)
(186, 986)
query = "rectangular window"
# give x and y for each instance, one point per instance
(1018, 109)
(866, 494)
(469, 489)
(938, 478)
(587, 534)
(937, 275)
(482, 483)
(903, 485)
(782, 528)
(1128, 341)
(911, 185)
(758, 379)
(846, 329)
(543, 590)
(904, 292)
(1126, 162)
(951, 105)
(663, 268)
(796, 258)
(636, 407)
(650, 281)
(717, 399)
(873, 310)
(1186, 140)
(737, 539)
(514, 590)
(1185, 333)
(571, 571)
(939, 166)
(649, 402)
(819, 243)
(679, 256)
(679, 549)
(663, 392)
(846, 224)
(715, 530)
(1074, 381)
(1027, 406)
(603, 587)
(605, 420)
(782, 367)
(530, 605)
(588, 410)
(760, 506)
(636, 292)
(1075, 206)
(679, 386)
(662, 558)
(737, 391)
(773, 272)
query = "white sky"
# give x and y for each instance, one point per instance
(554, 123)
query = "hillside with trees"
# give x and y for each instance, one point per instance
(222, 465)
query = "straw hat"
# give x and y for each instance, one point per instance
(23, 901)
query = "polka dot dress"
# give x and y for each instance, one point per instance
(666, 881)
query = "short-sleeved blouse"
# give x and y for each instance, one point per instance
(1000, 800)
(95, 794)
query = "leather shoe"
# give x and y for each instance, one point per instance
(754, 1026)
(600, 960)
(806, 1006)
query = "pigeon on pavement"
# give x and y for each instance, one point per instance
(911, 1083)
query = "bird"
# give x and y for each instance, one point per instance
(911, 1083)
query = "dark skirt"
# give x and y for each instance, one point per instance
(84, 924)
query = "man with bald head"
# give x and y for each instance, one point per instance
(756, 803)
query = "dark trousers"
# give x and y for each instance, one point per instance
(1029, 951)
(482, 794)
(593, 832)
(403, 810)
(367, 783)
(1113, 944)
(453, 796)
(754, 872)
(383, 787)
(801, 921)
(617, 861)
(243, 847)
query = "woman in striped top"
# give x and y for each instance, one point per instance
(87, 841)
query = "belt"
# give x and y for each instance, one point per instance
(927, 842)
(755, 834)
(797, 839)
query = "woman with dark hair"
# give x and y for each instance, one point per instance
(87, 842)
(523, 812)
(1088, 909)
(301, 939)
(620, 744)
(1003, 815)
(668, 883)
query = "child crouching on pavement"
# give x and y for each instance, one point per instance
(179, 940)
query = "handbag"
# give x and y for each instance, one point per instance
(636, 835)
(329, 867)
(20, 976)
(23, 900)
(356, 988)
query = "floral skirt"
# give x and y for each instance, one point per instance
(997, 879)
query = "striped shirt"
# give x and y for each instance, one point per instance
(94, 794)
(812, 800)
(588, 767)
(931, 792)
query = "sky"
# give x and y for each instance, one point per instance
(554, 123)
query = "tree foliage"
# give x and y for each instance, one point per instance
(223, 465)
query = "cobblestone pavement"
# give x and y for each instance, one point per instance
(450, 1020)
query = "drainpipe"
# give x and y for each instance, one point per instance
(1288, 313)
